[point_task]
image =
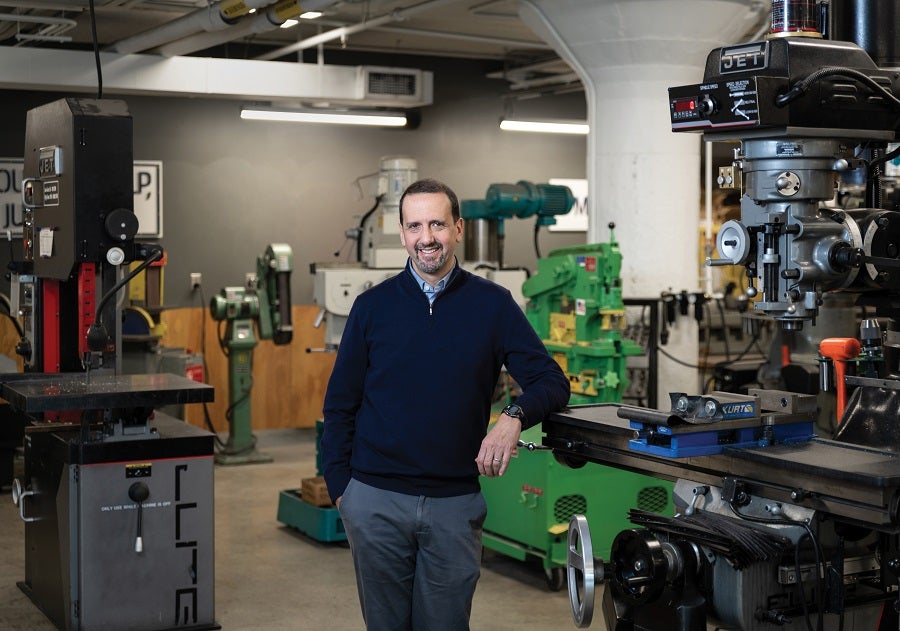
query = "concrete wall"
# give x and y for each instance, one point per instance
(231, 187)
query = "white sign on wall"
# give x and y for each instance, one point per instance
(576, 220)
(147, 196)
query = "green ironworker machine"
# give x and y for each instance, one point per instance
(266, 301)
(575, 304)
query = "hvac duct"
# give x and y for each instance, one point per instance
(640, 175)
(152, 75)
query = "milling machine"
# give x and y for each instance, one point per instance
(777, 527)
(265, 301)
(379, 252)
(117, 499)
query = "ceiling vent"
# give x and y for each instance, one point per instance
(395, 86)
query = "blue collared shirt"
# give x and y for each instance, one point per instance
(430, 291)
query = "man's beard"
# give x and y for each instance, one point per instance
(431, 266)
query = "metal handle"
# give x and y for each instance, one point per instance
(698, 491)
(18, 497)
(531, 446)
(25, 191)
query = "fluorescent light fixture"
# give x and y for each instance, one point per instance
(289, 23)
(310, 15)
(546, 126)
(334, 117)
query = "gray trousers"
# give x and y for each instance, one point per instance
(417, 558)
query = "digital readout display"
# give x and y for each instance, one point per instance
(685, 105)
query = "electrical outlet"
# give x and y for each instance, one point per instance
(196, 279)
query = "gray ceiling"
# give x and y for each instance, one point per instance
(474, 29)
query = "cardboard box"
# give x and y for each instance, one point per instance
(313, 491)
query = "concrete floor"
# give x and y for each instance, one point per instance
(272, 577)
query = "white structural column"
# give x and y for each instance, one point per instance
(641, 175)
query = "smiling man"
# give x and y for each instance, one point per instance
(406, 417)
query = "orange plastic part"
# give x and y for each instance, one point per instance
(839, 350)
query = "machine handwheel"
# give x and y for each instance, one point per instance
(580, 571)
(639, 566)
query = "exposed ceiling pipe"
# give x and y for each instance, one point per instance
(52, 28)
(487, 39)
(38, 4)
(206, 19)
(261, 22)
(569, 77)
(216, 16)
(59, 39)
(512, 74)
(38, 19)
(394, 16)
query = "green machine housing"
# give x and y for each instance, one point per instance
(575, 304)
(265, 301)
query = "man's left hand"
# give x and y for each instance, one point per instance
(499, 446)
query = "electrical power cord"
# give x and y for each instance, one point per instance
(362, 225)
(821, 569)
(97, 335)
(96, 45)
(800, 87)
(207, 419)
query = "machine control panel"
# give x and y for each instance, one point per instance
(713, 106)
(825, 88)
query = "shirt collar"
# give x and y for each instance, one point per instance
(424, 285)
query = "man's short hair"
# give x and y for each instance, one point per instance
(429, 185)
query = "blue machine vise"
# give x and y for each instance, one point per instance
(706, 425)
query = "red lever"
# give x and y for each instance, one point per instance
(839, 350)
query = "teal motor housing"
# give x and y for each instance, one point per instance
(522, 199)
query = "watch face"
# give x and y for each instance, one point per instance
(513, 410)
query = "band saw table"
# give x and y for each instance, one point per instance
(118, 505)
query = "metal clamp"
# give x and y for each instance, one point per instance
(18, 497)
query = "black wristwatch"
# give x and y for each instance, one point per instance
(514, 411)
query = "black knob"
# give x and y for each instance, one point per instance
(138, 492)
(97, 339)
(121, 225)
(706, 105)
